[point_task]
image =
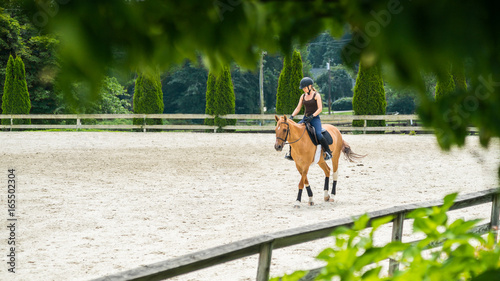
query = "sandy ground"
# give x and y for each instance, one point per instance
(91, 204)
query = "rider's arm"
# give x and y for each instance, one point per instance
(320, 105)
(299, 106)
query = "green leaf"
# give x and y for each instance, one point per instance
(376, 223)
(448, 201)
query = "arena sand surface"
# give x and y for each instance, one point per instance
(96, 203)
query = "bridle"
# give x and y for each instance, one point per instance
(287, 133)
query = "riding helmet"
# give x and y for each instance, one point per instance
(306, 81)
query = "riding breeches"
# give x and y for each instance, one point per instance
(316, 123)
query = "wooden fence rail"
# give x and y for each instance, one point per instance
(263, 245)
(395, 123)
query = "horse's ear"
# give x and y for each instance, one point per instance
(284, 117)
(277, 118)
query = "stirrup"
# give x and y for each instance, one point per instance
(328, 155)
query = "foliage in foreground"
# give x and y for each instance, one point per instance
(462, 256)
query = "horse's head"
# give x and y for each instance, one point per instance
(282, 130)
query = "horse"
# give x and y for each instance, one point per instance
(303, 153)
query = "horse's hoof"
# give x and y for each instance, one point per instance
(311, 203)
(331, 200)
(327, 198)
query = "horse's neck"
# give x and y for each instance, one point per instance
(297, 131)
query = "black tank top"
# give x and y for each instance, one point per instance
(310, 105)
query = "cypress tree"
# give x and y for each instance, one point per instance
(283, 92)
(8, 89)
(137, 100)
(458, 73)
(369, 95)
(148, 97)
(210, 98)
(224, 100)
(445, 85)
(16, 99)
(288, 93)
(297, 75)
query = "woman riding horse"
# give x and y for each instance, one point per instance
(311, 100)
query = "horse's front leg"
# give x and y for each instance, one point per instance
(304, 182)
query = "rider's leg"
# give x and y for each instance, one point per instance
(316, 122)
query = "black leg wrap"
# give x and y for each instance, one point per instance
(309, 191)
(299, 196)
(327, 182)
(334, 188)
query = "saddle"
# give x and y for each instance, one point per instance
(312, 134)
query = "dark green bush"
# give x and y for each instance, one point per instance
(342, 104)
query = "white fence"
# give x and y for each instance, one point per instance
(245, 122)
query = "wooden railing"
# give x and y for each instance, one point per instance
(246, 122)
(265, 244)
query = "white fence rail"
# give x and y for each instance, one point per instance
(245, 122)
(264, 245)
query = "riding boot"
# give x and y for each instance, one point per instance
(289, 155)
(326, 148)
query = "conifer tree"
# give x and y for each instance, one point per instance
(297, 75)
(288, 93)
(148, 97)
(8, 88)
(282, 94)
(444, 85)
(458, 72)
(224, 100)
(210, 98)
(16, 99)
(369, 95)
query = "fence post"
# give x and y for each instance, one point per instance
(11, 123)
(144, 124)
(397, 234)
(78, 123)
(495, 213)
(364, 127)
(266, 251)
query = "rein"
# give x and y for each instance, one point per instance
(287, 132)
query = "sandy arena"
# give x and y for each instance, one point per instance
(90, 204)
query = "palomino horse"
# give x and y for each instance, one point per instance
(303, 152)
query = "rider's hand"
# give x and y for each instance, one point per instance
(309, 118)
(291, 117)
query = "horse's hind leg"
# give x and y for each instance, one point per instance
(335, 164)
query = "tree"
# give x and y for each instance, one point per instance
(184, 89)
(246, 89)
(220, 98)
(148, 97)
(10, 41)
(16, 99)
(445, 85)
(210, 98)
(224, 99)
(288, 94)
(340, 82)
(283, 104)
(369, 95)
(297, 75)
(458, 72)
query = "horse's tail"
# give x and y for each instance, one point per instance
(349, 154)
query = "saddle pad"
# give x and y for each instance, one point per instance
(317, 155)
